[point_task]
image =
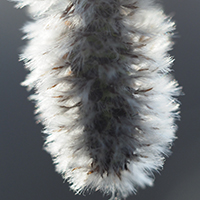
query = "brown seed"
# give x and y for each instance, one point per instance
(56, 68)
(65, 56)
(76, 168)
(60, 96)
(52, 87)
(147, 90)
(90, 172)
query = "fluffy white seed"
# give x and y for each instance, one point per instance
(103, 89)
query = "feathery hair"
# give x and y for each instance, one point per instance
(103, 90)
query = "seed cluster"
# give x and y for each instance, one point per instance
(104, 93)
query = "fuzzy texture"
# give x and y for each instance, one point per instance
(103, 92)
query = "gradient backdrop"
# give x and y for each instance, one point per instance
(26, 170)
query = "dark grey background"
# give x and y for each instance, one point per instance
(26, 171)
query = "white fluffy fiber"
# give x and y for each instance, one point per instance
(103, 89)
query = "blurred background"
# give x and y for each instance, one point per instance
(26, 170)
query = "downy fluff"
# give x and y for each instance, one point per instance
(103, 90)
